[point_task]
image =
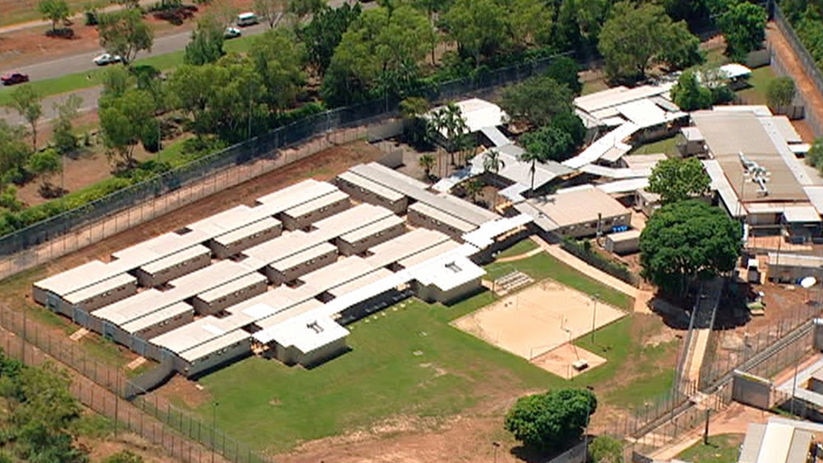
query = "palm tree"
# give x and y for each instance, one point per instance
(531, 157)
(426, 162)
(492, 161)
(448, 121)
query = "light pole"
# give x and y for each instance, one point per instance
(214, 429)
(594, 314)
(495, 446)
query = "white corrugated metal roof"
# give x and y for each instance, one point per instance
(246, 231)
(624, 186)
(301, 257)
(801, 214)
(371, 186)
(447, 271)
(477, 114)
(75, 278)
(232, 286)
(815, 194)
(156, 317)
(175, 259)
(215, 345)
(316, 204)
(440, 216)
(596, 150)
(485, 235)
(495, 136)
(720, 183)
(618, 173)
(101, 287)
(371, 229)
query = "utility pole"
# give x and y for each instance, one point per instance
(594, 315)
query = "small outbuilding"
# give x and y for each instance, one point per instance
(625, 242)
(789, 268)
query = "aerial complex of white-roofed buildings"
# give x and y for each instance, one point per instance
(285, 275)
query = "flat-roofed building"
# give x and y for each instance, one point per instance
(319, 208)
(308, 340)
(237, 240)
(226, 221)
(364, 190)
(388, 254)
(342, 271)
(423, 215)
(294, 195)
(133, 257)
(447, 278)
(780, 440)
(231, 293)
(199, 334)
(417, 191)
(49, 291)
(754, 171)
(301, 262)
(622, 242)
(350, 220)
(435, 251)
(371, 235)
(154, 324)
(577, 212)
(108, 320)
(78, 304)
(174, 265)
(223, 349)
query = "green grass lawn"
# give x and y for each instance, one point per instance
(722, 448)
(521, 247)
(759, 81)
(593, 86)
(667, 146)
(404, 361)
(81, 80)
(542, 266)
(618, 344)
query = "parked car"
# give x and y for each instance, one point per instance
(106, 59)
(246, 19)
(14, 78)
(232, 33)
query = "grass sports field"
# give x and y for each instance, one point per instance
(406, 360)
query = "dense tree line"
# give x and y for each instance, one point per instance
(39, 414)
(806, 16)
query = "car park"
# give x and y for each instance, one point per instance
(106, 59)
(14, 78)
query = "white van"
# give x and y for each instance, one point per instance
(247, 19)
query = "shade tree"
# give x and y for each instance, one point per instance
(637, 36)
(687, 241)
(677, 179)
(125, 33)
(552, 420)
(28, 103)
(536, 100)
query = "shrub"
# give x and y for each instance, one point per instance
(583, 250)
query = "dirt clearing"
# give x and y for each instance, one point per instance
(538, 319)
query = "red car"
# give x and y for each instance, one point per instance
(14, 78)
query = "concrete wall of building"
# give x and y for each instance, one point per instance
(150, 280)
(752, 390)
(366, 196)
(164, 326)
(208, 308)
(625, 246)
(223, 252)
(292, 356)
(216, 359)
(356, 247)
(417, 219)
(431, 293)
(278, 277)
(586, 229)
(295, 223)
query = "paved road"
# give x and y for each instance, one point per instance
(83, 62)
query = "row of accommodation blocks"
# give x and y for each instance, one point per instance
(301, 250)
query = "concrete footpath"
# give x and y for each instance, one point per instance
(557, 252)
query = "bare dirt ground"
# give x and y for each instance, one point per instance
(560, 360)
(322, 166)
(537, 319)
(779, 45)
